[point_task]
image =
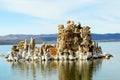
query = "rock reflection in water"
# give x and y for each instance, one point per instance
(44, 70)
(78, 70)
(55, 70)
(25, 70)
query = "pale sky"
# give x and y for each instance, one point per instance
(44, 16)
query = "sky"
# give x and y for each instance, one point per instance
(44, 16)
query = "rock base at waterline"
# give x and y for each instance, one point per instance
(61, 58)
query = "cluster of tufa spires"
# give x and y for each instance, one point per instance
(74, 43)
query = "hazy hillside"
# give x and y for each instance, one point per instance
(106, 37)
(13, 39)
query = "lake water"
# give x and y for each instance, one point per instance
(101, 69)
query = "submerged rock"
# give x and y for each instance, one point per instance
(108, 56)
(1, 55)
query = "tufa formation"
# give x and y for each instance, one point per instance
(74, 42)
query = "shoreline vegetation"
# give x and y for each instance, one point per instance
(74, 42)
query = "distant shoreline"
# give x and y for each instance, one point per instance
(107, 40)
(52, 38)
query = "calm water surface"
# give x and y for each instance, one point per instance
(64, 70)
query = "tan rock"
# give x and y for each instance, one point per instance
(75, 38)
(32, 43)
(21, 46)
(25, 45)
